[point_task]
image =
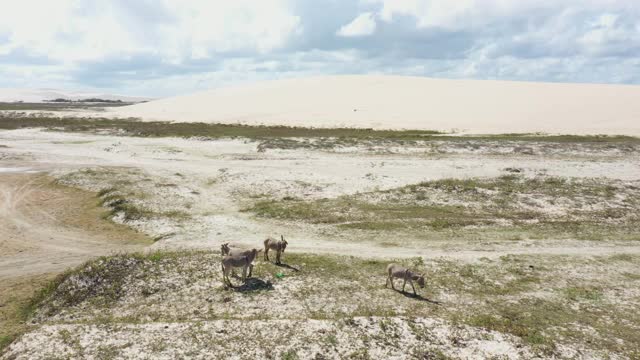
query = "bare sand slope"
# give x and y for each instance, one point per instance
(395, 102)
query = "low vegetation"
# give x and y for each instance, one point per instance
(540, 300)
(123, 191)
(134, 127)
(582, 208)
(280, 137)
(15, 305)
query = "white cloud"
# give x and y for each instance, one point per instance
(605, 33)
(206, 27)
(364, 24)
(163, 47)
(468, 14)
(82, 30)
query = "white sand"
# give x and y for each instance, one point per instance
(218, 178)
(395, 102)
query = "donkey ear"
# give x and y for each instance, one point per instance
(281, 236)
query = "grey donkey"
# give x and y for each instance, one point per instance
(277, 245)
(238, 260)
(226, 250)
(397, 271)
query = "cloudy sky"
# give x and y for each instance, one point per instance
(168, 47)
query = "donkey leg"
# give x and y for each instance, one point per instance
(224, 274)
(413, 287)
(404, 284)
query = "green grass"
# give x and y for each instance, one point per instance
(489, 202)
(101, 279)
(290, 355)
(6, 340)
(120, 195)
(583, 293)
(131, 211)
(134, 127)
(515, 320)
(381, 143)
(118, 204)
(280, 137)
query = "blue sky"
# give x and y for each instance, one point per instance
(170, 47)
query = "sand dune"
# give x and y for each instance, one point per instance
(395, 102)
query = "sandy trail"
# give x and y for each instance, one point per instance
(41, 227)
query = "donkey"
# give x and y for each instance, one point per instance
(397, 271)
(277, 245)
(238, 260)
(226, 250)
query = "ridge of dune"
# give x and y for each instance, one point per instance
(402, 102)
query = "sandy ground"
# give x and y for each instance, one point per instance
(187, 339)
(395, 102)
(211, 179)
(43, 228)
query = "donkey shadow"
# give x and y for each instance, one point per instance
(417, 297)
(287, 266)
(252, 284)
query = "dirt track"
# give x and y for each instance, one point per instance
(47, 228)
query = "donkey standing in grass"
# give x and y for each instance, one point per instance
(277, 245)
(226, 250)
(397, 271)
(238, 260)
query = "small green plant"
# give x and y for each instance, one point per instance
(290, 355)
(431, 354)
(584, 293)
